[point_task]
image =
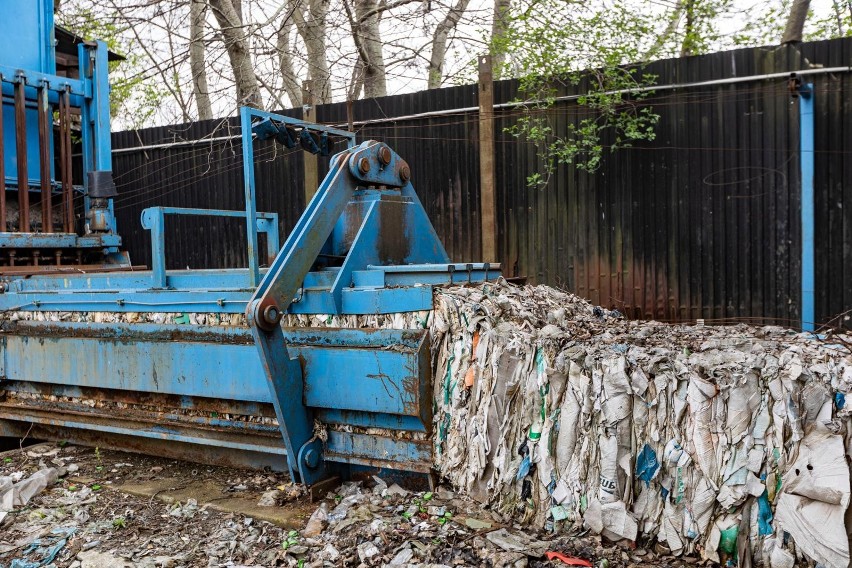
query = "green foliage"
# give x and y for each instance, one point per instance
(833, 24)
(134, 97)
(292, 540)
(551, 45)
(765, 24)
(119, 523)
(765, 29)
(701, 26)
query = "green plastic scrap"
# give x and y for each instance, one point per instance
(728, 540)
(448, 384)
(680, 485)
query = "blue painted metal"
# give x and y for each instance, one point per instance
(26, 42)
(184, 361)
(382, 388)
(153, 219)
(363, 245)
(267, 126)
(806, 165)
(26, 35)
(27, 51)
(366, 209)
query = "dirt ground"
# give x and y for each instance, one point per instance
(118, 509)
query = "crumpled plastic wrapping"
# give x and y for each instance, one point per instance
(18, 492)
(728, 442)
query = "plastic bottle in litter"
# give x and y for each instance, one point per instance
(535, 429)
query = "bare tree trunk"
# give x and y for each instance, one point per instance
(671, 28)
(357, 81)
(200, 90)
(439, 43)
(839, 16)
(796, 21)
(499, 28)
(687, 48)
(312, 28)
(367, 38)
(289, 80)
(248, 90)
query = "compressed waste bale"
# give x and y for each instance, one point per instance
(713, 440)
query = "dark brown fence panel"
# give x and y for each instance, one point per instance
(702, 222)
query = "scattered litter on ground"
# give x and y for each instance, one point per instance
(82, 520)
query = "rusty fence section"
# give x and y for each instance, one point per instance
(700, 223)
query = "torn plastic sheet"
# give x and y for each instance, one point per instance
(549, 409)
(43, 551)
(18, 493)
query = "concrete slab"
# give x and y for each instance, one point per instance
(292, 515)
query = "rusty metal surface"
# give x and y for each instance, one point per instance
(164, 448)
(45, 125)
(65, 162)
(142, 400)
(64, 268)
(2, 174)
(21, 152)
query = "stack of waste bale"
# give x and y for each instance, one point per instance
(730, 442)
(726, 441)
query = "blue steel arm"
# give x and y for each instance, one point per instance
(368, 164)
(283, 373)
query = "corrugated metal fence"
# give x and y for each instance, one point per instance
(702, 222)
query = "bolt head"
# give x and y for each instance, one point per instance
(404, 172)
(271, 315)
(311, 458)
(364, 165)
(384, 155)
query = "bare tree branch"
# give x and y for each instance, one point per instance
(439, 43)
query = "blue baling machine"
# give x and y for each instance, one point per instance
(319, 401)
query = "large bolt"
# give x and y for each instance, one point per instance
(384, 155)
(404, 172)
(271, 315)
(311, 458)
(364, 165)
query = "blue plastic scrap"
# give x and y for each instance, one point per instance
(524, 469)
(764, 510)
(647, 464)
(47, 551)
(839, 400)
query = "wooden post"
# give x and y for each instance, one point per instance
(350, 114)
(309, 114)
(488, 214)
